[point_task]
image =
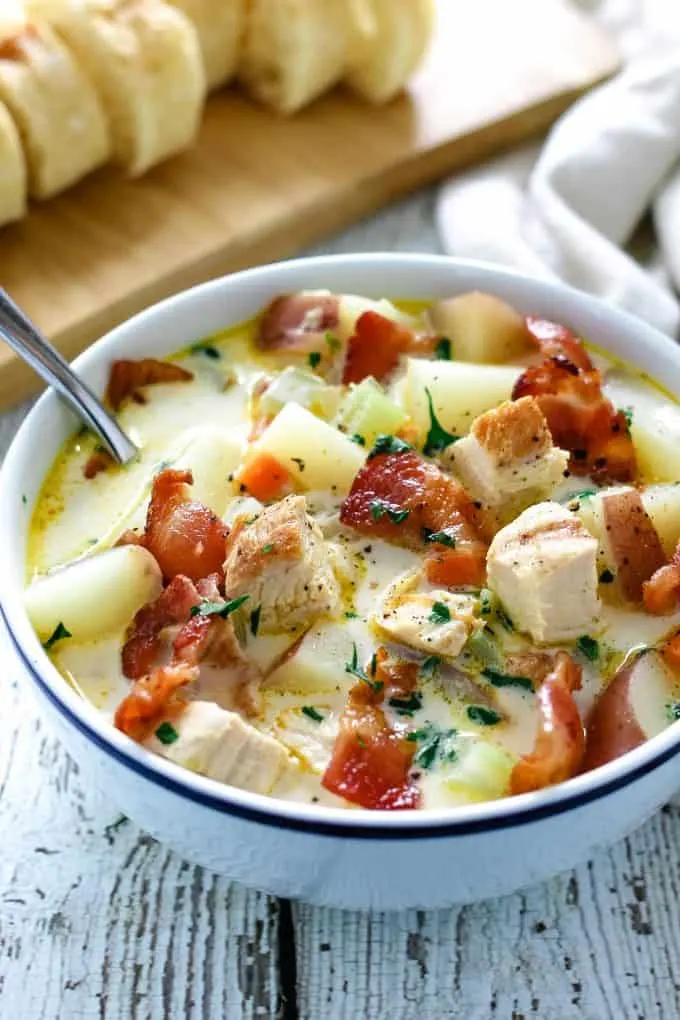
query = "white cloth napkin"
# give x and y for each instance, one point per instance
(568, 208)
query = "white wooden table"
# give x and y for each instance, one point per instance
(100, 922)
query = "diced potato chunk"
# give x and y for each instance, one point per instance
(481, 328)
(94, 596)
(460, 391)
(315, 453)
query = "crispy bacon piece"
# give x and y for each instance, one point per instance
(435, 504)
(298, 322)
(154, 699)
(377, 345)
(581, 419)
(371, 763)
(99, 461)
(127, 377)
(185, 536)
(560, 742)
(661, 594)
(173, 606)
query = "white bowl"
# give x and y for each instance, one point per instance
(327, 855)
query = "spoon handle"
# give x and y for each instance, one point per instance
(23, 337)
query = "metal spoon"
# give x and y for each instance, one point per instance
(26, 340)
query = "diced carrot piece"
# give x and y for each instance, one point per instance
(265, 478)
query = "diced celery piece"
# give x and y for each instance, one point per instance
(483, 772)
(367, 411)
(301, 387)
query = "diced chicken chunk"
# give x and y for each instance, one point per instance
(542, 566)
(219, 744)
(508, 453)
(282, 562)
(436, 621)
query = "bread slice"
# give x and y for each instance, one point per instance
(294, 50)
(55, 108)
(13, 175)
(144, 59)
(404, 31)
(221, 26)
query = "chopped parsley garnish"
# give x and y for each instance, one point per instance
(430, 666)
(585, 494)
(379, 508)
(389, 444)
(300, 463)
(627, 413)
(268, 548)
(434, 743)
(606, 577)
(589, 647)
(349, 615)
(486, 601)
(360, 741)
(483, 716)
(207, 349)
(673, 711)
(504, 619)
(437, 438)
(58, 634)
(314, 358)
(439, 613)
(332, 341)
(441, 538)
(499, 679)
(354, 669)
(255, 621)
(359, 440)
(407, 706)
(24, 500)
(223, 609)
(167, 734)
(312, 713)
(442, 351)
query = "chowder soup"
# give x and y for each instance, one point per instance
(373, 556)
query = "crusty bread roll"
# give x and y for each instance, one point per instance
(13, 176)
(144, 59)
(54, 106)
(294, 50)
(220, 25)
(404, 31)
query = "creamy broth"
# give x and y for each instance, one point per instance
(466, 719)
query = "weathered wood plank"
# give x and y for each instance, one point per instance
(601, 943)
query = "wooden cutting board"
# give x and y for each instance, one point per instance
(258, 187)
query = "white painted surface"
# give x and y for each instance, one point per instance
(98, 921)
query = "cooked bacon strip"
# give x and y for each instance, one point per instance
(371, 763)
(99, 461)
(581, 419)
(173, 606)
(185, 536)
(661, 594)
(298, 322)
(128, 377)
(377, 345)
(434, 502)
(154, 699)
(634, 541)
(560, 741)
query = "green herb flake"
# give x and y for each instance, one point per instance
(577, 497)
(207, 349)
(24, 500)
(673, 711)
(359, 440)
(255, 621)
(483, 716)
(300, 463)
(504, 619)
(389, 444)
(439, 613)
(589, 648)
(430, 666)
(380, 508)
(442, 351)
(354, 669)
(314, 359)
(223, 609)
(435, 745)
(332, 341)
(606, 577)
(438, 438)
(268, 548)
(486, 601)
(350, 615)
(58, 634)
(499, 679)
(360, 741)
(167, 734)
(312, 713)
(627, 413)
(442, 538)
(407, 706)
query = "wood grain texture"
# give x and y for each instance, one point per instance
(257, 187)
